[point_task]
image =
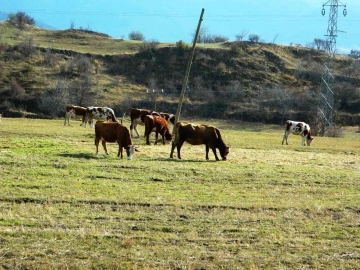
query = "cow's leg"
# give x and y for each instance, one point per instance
(178, 146)
(135, 128)
(156, 137)
(302, 140)
(207, 151)
(66, 118)
(104, 145)
(214, 151)
(120, 152)
(285, 138)
(173, 145)
(97, 145)
(147, 136)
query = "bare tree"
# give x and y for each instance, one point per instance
(275, 38)
(241, 36)
(136, 35)
(56, 98)
(80, 91)
(280, 99)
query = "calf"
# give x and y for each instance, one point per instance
(199, 134)
(74, 111)
(298, 128)
(137, 116)
(99, 113)
(159, 125)
(114, 132)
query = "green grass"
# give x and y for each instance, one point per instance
(270, 206)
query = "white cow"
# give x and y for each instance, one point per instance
(298, 128)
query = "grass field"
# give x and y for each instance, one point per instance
(270, 206)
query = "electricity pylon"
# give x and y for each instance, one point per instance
(326, 95)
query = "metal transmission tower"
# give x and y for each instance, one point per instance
(326, 96)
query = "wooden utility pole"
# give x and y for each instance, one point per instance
(181, 100)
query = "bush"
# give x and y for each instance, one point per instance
(254, 38)
(19, 19)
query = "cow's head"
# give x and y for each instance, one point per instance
(168, 135)
(309, 139)
(130, 150)
(224, 151)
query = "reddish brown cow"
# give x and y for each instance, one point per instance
(137, 116)
(159, 125)
(114, 132)
(199, 134)
(74, 111)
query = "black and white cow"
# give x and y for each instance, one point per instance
(99, 113)
(298, 128)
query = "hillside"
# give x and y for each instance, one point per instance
(240, 80)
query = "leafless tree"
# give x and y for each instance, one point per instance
(278, 98)
(136, 35)
(241, 36)
(56, 98)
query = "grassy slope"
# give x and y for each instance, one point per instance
(269, 206)
(255, 66)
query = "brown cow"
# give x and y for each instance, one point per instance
(137, 116)
(199, 134)
(114, 132)
(74, 111)
(159, 125)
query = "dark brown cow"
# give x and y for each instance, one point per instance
(169, 117)
(99, 113)
(114, 132)
(159, 125)
(199, 134)
(137, 116)
(74, 111)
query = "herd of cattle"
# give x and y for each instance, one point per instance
(109, 129)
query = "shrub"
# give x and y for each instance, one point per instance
(19, 19)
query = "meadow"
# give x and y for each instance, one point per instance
(269, 206)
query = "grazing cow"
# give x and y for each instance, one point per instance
(199, 134)
(159, 125)
(137, 116)
(169, 117)
(298, 128)
(74, 111)
(99, 113)
(114, 132)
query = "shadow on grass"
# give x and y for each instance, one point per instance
(78, 155)
(181, 160)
